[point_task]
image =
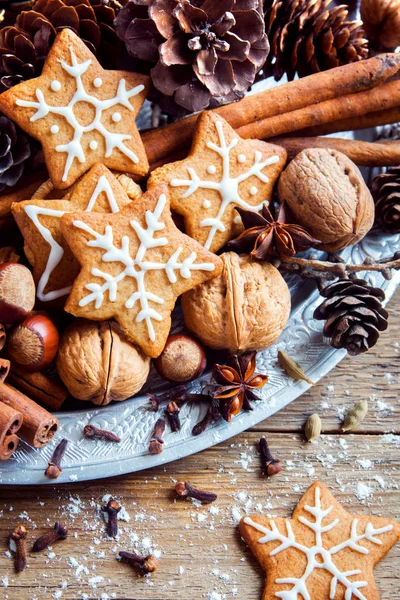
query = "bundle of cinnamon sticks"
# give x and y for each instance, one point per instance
(356, 96)
(23, 416)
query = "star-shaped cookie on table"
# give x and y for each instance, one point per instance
(221, 172)
(54, 265)
(80, 113)
(322, 552)
(135, 264)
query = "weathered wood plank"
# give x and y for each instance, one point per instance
(209, 550)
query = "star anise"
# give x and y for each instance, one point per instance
(238, 380)
(265, 236)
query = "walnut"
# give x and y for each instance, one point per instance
(244, 308)
(327, 195)
(381, 20)
(96, 363)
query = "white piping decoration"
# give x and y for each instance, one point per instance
(317, 556)
(227, 186)
(74, 148)
(137, 267)
(56, 251)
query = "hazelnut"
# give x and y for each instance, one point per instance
(182, 360)
(17, 292)
(244, 308)
(97, 363)
(33, 343)
(327, 195)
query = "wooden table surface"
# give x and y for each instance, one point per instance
(202, 555)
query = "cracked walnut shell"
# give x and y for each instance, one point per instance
(97, 364)
(244, 308)
(327, 195)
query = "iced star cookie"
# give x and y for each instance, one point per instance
(322, 552)
(222, 171)
(80, 113)
(54, 266)
(135, 264)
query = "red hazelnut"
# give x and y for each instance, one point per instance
(182, 359)
(33, 343)
(17, 292)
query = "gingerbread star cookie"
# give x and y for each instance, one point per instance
(221, 172)
(134, 266)
(54, 266)
(80, 113)
(322, 552)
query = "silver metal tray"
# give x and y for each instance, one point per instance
(302, 339)
(131, 420)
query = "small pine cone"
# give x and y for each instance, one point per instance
(306, 37)
(353, 314)
(16, 151)
(386, 194)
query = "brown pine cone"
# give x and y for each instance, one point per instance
(24, 49)
(16, 152)
(386, 194)
(203, 53)
(353, 314)
(306, 37)
(91, 20)
(381, 20)
(25, 46)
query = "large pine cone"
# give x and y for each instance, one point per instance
(381, 20)
(386, 193)
(306, 37)
(203, 53)
(353, 313)
(25, 46)
(16, 151)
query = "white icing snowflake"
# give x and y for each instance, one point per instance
(227, 186)
(136, 267)
(317, 556)
(74, 148)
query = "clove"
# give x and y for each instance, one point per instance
(18, 545)
(90, 431)
(185, 490)
(156, 441)
(172, 414)
(143, 564)
(272, 465)
(54, 469)
(177, 394)
(59, 532)
(112, 509)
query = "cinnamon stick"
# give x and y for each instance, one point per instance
(372, 119)
(364, 154)
(39, 386)
(10, 423)
(351, 106)
(39, 426)
(348, 79)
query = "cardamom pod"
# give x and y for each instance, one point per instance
(355, 415)
(312, 428)
(291, 367)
